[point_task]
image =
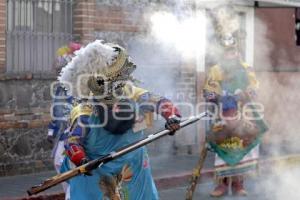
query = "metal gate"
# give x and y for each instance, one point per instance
(35, 29)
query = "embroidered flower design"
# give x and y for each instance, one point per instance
(111, 186)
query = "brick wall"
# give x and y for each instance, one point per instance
(84, 20)
(2, 35)
(118, 19)
(92, 16)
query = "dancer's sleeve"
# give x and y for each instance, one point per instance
(79, 129)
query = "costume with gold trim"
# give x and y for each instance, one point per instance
(231, 91)
(216, 75)
(100, 75)
(231, 87)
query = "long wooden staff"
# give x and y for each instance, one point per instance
(105, 159)
(196, 173)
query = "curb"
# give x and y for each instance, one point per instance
(181, 179)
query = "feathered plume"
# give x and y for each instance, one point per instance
(88, 61)
(227, 20)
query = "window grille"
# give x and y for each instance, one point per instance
(35, 29)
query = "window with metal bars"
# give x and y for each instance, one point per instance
(34, 30)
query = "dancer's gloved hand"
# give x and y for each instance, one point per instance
(251, 93)
(240, 95)
(84, 161)
(173, 124)
(210, 96)
(77, 155)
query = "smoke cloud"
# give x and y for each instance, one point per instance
(182, 34)
(178, 34)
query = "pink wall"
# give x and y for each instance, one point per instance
(275, 45)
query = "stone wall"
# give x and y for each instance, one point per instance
(24, 115)
(23, 151)
(24, 103)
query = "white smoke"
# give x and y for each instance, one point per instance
(186, 35)
(179, 34)
(278, 92)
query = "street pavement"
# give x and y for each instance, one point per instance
(162, 166)
(171, 175)
(283, 184)
(203, 189)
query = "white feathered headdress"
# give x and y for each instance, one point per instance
(227, 25)
(93, 61)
